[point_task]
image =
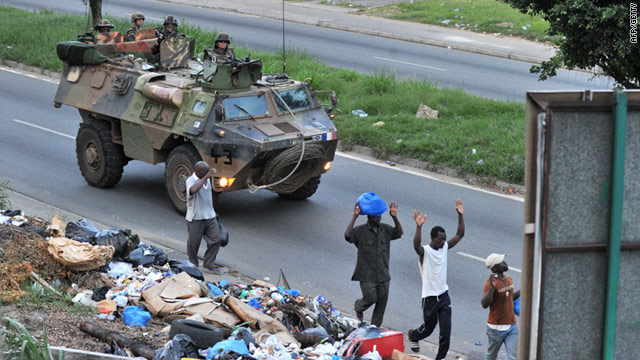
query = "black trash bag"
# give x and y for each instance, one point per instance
(36, 229)
(224, 234)
(186, 266)
(324, 321)
(121, 240)
(312, 336)
(82, 228)
(12, 213)
(146, 255)
(99, 294)
(181, 346)
(245, 335)
(83, 239)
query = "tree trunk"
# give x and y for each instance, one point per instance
(96, 11)
(110, 337)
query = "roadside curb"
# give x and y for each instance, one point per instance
(497, 185)
(29, 68)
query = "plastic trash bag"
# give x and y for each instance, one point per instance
(147, 255)
(82, 228)
(99, 293)
(237, 346)
(245, 335)
(312, 336)
(181, 346)
(372, 355)
(214, 290)
(223, 234)
(371, 204)
(186, 266)
(119, 268)
(120, 239)
(134, 316)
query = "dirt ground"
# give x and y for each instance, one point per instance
(63, 327)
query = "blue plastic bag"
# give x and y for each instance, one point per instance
(214, 290)
(237, 346)
(255, 303)
(134, 316)
(292, 292)
(516, 306)
(371, 204)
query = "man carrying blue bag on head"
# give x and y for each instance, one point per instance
(373, 241)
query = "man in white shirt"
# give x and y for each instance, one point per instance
(436, 304)
(201, 217)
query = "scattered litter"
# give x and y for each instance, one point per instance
(473, 151)
(426, 112)
(524, 28)
(378, 124)
(446, 22)
(479, 162)
(390, 163)
(478, 343)
(360, 113)
(399, 141)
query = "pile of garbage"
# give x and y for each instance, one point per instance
(212, 320)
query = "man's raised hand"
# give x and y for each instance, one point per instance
(459, 207)
(393, 209)
(356, 209)
(419, 218)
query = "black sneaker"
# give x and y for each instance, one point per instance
(413, 345)
(359, 315)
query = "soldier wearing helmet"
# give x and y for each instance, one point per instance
(221, 50)
(104, 26)
(137, 18)
(168, 30)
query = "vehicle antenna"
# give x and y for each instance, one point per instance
(284, 57)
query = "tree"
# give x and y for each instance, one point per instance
(595, 34)
(96, 10)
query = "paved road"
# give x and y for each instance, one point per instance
(303, 238)
(478, 74)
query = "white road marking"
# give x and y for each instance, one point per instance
(44, 128)
(146, 17)
(416, 173)
(481, 259)
(408, 63)
(33, 76)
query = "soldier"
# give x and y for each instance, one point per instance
(168, 30)
(103, 27)
(221, 50)
(137, 18)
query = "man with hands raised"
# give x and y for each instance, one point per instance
(436, 304)
(373, 241)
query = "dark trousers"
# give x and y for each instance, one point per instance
(373, 292)
(435, 310)
(207, 229)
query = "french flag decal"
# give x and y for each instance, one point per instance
(330, 136)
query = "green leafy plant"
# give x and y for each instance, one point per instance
(5, 202)
(17, 343)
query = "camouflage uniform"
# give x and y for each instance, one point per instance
(222, 56)
(131, 33)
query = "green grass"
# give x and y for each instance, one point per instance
(494, 128)
(490, 16)
(17, 343)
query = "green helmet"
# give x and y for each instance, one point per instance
(170, 20)
(137, 16)
(222, 37)
(104, 23)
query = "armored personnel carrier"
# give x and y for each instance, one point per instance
(163, 106)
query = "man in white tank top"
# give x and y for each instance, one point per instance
(436, 304)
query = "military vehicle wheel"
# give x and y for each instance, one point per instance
(100, 159)
(180, 165)
(305, 191)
